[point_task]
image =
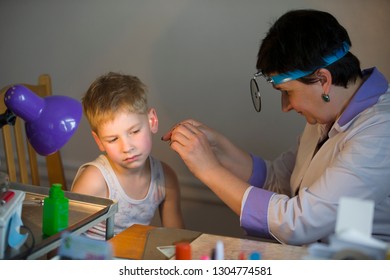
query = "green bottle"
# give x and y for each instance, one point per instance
(55, 211)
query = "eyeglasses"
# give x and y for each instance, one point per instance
(289, 76)
(255, 92)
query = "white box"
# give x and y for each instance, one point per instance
(6, 212)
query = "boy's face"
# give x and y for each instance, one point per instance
(127, 139)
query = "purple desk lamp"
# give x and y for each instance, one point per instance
(50, 122)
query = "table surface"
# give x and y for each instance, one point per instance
(137, 240)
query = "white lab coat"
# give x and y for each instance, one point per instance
(297, 204)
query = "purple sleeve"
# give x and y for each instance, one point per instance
(254, 214)
(259, 172)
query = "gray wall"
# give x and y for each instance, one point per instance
(196, 56)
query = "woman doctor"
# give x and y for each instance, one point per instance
(344, 150)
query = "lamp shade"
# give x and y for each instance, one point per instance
(50, 121)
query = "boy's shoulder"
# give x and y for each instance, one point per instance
(165, 167)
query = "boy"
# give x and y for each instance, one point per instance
(122, 126)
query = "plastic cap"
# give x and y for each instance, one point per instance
(183, 251)
(255, 256)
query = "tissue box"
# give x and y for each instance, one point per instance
(14, 205)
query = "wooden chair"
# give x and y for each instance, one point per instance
(22, 166)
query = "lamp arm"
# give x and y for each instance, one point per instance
(8, 117)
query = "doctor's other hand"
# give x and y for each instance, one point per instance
(195, 143)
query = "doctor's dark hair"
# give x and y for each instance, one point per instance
(299, 40)
(112, 93)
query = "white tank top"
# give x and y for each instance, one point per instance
(130, 211)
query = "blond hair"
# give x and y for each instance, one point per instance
(112, 93)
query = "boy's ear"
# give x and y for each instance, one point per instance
(98, 142)
(153, 120)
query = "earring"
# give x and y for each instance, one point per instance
(325, 97)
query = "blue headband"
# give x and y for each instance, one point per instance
(296, 74)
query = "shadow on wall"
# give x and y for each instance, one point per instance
(212, 218)
(203, 211)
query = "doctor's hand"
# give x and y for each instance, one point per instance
(195, 144)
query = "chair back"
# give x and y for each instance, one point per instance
(21, 158)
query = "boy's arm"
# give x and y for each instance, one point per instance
(170, 209)
(90, 182)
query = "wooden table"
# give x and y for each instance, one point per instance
(130, 243)
(140, 242)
